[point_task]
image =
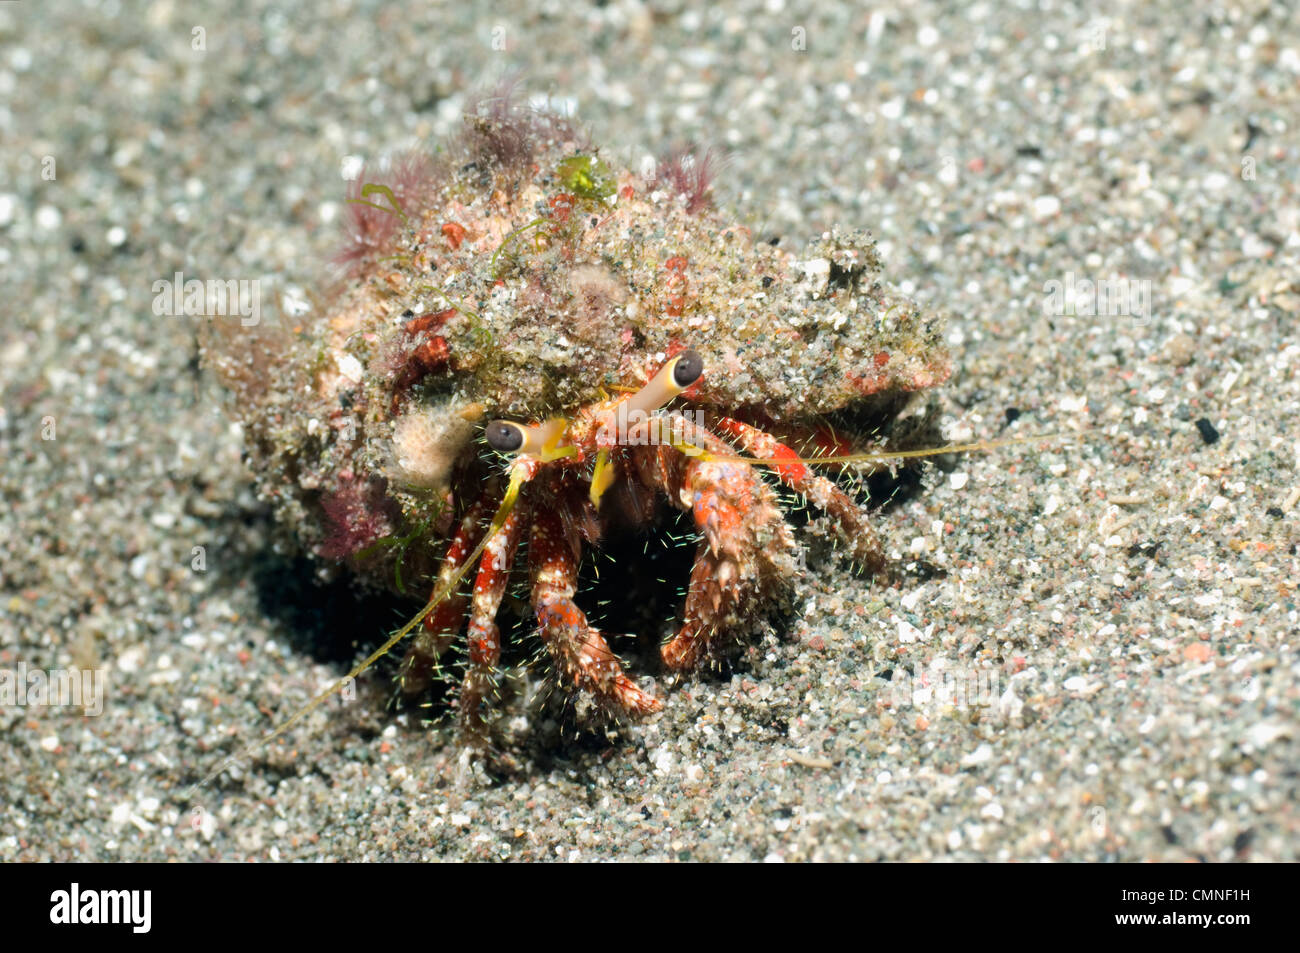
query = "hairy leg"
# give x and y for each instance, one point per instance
(484, 637)
(743, 565)
(851, 521)
(444, 622)
(581, 655)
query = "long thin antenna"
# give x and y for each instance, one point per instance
(518, 475)
(701, 453)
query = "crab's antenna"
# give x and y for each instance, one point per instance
(694, 450)
(518, 476)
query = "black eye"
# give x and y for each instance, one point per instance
(504, 436)
(688, 368)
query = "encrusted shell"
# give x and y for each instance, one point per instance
(538, 278)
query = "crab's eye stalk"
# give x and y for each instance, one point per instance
(687, 367)
(536, 440)
(679, 373)
(505, 436)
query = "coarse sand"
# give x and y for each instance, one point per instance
(1086, 651)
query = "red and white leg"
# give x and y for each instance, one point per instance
(744, 562)
(850, 519)
(484, 636)
(582, 657)
(441, 626)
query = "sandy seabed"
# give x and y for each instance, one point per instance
(1088, 649)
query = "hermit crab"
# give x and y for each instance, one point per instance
(528, 351)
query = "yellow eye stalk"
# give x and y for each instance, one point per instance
(535, 440)
(542, 441)
(672, 379)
